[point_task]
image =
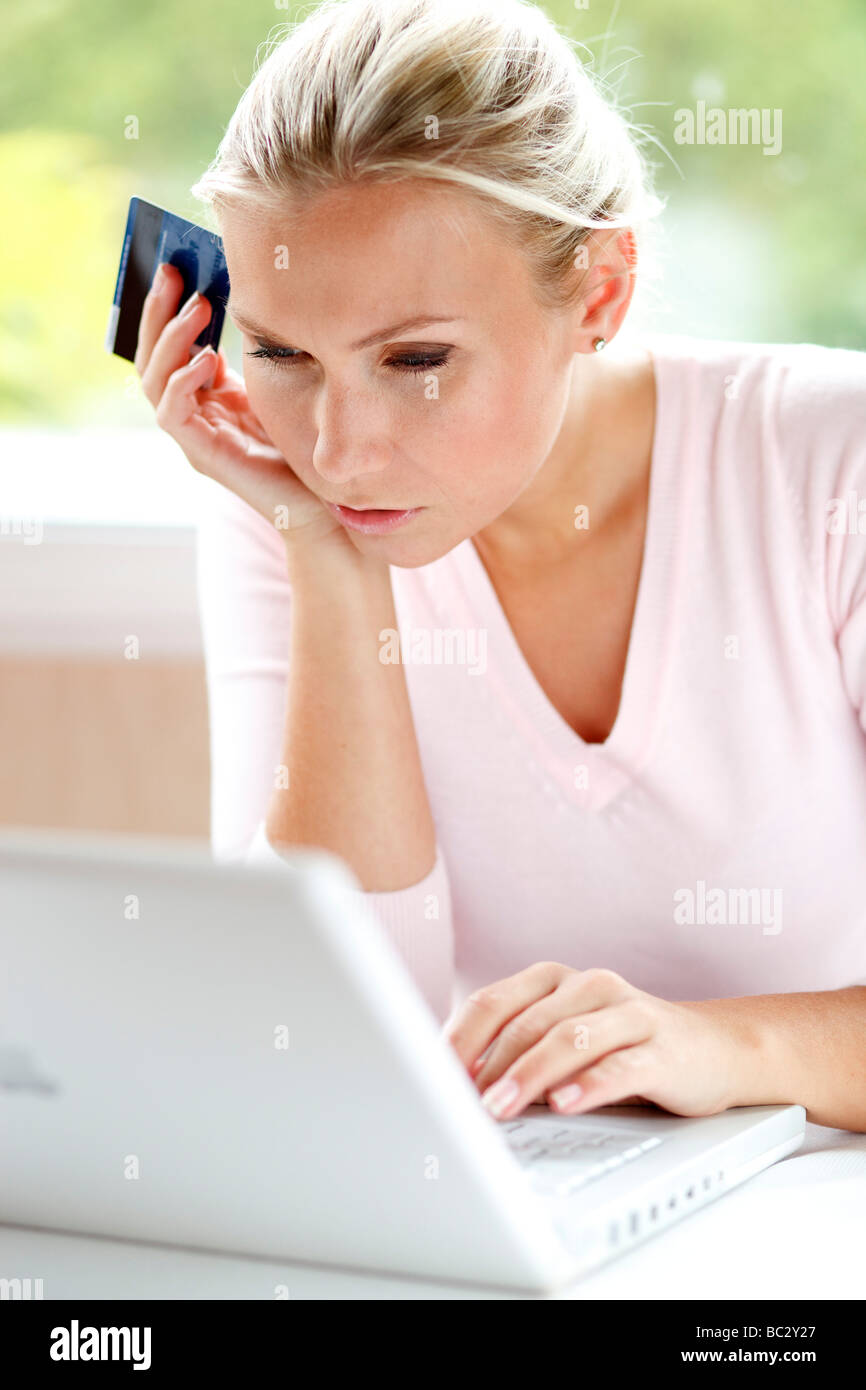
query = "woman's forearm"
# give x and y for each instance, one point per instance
(352, 773)
(805, 1049)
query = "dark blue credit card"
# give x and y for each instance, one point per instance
(152, 236)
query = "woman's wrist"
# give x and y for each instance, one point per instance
(753, 1062)
(333, 560)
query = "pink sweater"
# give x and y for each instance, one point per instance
(715, 844)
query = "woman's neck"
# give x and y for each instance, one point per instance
(600, 461)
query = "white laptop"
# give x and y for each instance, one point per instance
(232, 1058)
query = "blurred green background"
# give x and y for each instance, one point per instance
(757, 247)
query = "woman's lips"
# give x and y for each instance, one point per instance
(375, 521)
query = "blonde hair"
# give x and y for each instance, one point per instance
(486, 95)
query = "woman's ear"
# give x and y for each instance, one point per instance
(609, 285)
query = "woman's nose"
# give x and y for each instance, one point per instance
(340, 464)
(352, 435)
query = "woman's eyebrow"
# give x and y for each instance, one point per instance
(380, 336)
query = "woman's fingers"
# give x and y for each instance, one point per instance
(165, 339)
(178, 401)
(571, 1042)
(487, 1010)
(160, 305)
(173, 347)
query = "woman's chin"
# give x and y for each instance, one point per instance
(403, 550)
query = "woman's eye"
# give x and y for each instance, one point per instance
(420, 362)
(412, 362)
(275, 354)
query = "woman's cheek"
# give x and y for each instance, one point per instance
(264, 396)
(273, 409)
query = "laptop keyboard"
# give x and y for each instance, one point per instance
(560, 1159)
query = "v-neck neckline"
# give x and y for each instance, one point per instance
(592, 774)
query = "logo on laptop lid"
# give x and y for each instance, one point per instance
(19, 1072)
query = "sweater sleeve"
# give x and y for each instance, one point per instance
(244, 599)
(846, 549)
(824, 427)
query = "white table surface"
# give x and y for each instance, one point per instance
(796, 1230)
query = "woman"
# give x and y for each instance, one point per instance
(556, 646)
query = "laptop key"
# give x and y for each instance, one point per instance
(559, 1160)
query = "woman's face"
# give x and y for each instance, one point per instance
(461, 438)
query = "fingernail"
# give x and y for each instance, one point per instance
(192, 303)
(498, 1098)
(476, 1066)
(567, 1095)
(158, 279)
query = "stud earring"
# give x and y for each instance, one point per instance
(599, 343)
